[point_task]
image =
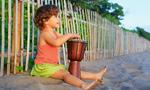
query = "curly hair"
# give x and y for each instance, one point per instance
(43, 14)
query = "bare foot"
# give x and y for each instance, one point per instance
(91, 85)
(100, 75)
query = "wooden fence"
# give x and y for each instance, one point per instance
(19, 36)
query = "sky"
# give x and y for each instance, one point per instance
(137, 13)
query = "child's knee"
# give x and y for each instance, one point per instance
(63, 72)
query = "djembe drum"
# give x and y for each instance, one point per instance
(76, 49)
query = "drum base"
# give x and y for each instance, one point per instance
(74, 68)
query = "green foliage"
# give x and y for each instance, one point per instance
(112, 11)
(19, 68)
(141, 32)
(129, 30)
(31, 63)
(138, 30)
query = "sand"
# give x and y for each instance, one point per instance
(126, 72)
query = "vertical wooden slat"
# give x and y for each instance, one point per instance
(15, 59)
(100, 37)
(38, 32)
(9, 36)
(61, 31)
(72, 17)
(80, 24)
(33, 27)
(16, 35)
(86, 32)
(66, 22)
(28, 37)
(46, 2)
(76, 20)
(89, 32)
(22, 35)
(104, 39)
(3, 36)
(52, 1)
(41, 2)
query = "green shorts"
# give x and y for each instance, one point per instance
(46, 70)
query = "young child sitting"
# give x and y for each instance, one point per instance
(46, 61)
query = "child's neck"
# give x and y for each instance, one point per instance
(48, 28)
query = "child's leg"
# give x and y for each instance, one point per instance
(93, 76)
(67, 77)
(70, 79)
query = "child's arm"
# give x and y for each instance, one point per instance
(58, 34)
(60, 40)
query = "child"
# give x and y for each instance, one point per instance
(46, 61)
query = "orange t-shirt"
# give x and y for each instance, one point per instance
(47, 54)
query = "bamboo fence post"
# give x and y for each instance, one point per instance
(105, 38)
(46, 2)
(81, 26)
(33, 26)
(59, 51)
(88, 32)
(122, 42)
(41, 2)
(114, 41)
(61, 31)
(98, 38)
(76, 20)
(3, 36)
(108, 40)
(22, 35)
(101, 37)
(52, 2)
(84, 31)
(16, 35)
(94, 36)
(96, 33)
(66, 24)
(9, 36)
(116, 46)
(91, 51)
(102, 42)
(87, 36)
(119, 42)
(72, 17)
(28, 36)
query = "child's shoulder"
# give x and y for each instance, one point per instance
(45, 33)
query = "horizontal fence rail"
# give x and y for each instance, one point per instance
(19, 35)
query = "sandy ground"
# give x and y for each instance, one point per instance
(127, 72)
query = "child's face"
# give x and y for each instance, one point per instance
(54, 22)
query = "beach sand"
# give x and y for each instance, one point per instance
(126, 72)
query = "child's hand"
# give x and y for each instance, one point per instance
(75, 36)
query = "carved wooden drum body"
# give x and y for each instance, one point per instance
(76, 49)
